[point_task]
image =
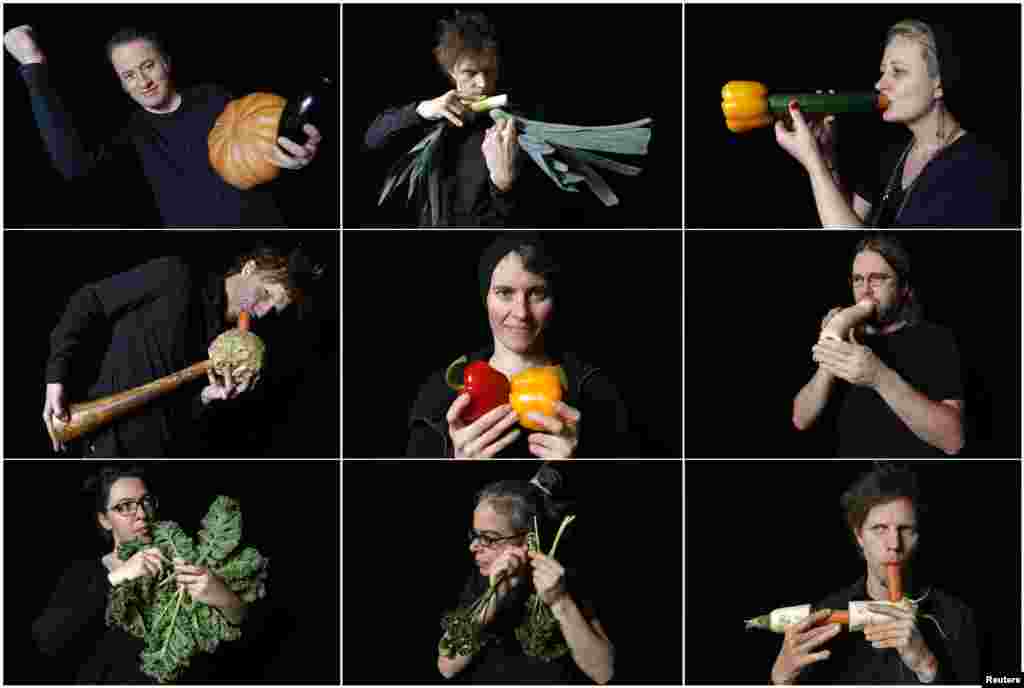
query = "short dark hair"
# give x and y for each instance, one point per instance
(521, 500)
(96, 489)
(131, 33)
(470, 33)
(886, 482)
(535, 254)
(897, 256)
(295, 271)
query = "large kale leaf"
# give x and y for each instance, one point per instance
(174, 627)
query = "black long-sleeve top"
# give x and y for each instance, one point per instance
(73, 626)
(604, 422)
(159, 318)
(467, 192)
(855, 662)
(172, 149)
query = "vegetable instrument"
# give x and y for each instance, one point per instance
(748, 105)
(487, 387)
(537, 390)
(540, 633)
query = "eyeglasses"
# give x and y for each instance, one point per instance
(875, 279)
(131, 506)
(487, 540)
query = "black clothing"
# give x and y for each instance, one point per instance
(604, 425)
(502, 661)
(965, 185)
(925, 356)
(854, 662)
(160, 318)
(468, 196)
(172, 149)
(73, 625)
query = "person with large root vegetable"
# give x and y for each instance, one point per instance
(895, 376)
(923, 636)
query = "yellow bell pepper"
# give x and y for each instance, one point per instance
(745, 105)
(536, 389)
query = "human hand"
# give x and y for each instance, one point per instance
(483, 438)
(851, 361)
(501, 153)
(563, 433)
(200, 584)
(797, 644)
(146, 562)
(511, 562)
(223, 388)
(21, 44)
(297, 156)
(828, 316)
(55, 406)
(902, 634)
(802, 142)
(548, 578)
(450, 106)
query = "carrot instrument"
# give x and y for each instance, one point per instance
(895, 580)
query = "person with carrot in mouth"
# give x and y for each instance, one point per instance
(884, 511)
(898, 384)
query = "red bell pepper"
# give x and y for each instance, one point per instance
(487, 387)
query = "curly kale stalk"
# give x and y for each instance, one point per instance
(540, 634)
(173, 626)
(463, 628)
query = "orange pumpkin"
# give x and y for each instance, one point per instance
(244, 135)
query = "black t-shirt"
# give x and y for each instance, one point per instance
(965, 185)
(502, 661)
(926, 357)
(855, 662)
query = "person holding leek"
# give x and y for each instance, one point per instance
(73, 623)
(884, 512)
(517, 277)
(943, 177)
(481, 170)
(505, 512)
(898, 385)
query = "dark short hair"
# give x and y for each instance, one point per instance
(131, 33)
(521, 500)
(469, 33)
(295, 271)
(886, 482)
(536, 256)
(898, 258)
(96, 489)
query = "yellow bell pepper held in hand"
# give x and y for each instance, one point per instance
(745, 105)
(536, 390)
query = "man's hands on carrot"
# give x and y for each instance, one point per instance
(853, 362)
(900, 633)
(797, 646)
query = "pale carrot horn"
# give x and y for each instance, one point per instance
(895, 578)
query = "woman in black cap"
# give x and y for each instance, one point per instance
(517, 285)
(943, 177)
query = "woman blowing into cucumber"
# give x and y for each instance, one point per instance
(518, 277)
(884, 514)
(943, 177)
(507, 651)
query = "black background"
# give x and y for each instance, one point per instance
(413, 305)
(290, 514)
(582, 64)
(754, 304)
(408, 559)
(244, 49)
(801, 48)
(780, 540)
(44, 268)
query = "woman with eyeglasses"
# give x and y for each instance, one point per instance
(517, 277)
(73, 624)
(504, 514)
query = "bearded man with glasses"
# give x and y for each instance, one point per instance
(898, 385)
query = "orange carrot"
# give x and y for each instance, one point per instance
(895, 578)
(243, 321)
(836, 617)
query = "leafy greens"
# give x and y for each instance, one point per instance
(174, 627)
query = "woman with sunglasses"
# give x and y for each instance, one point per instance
(504, 514)
(73, 624)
